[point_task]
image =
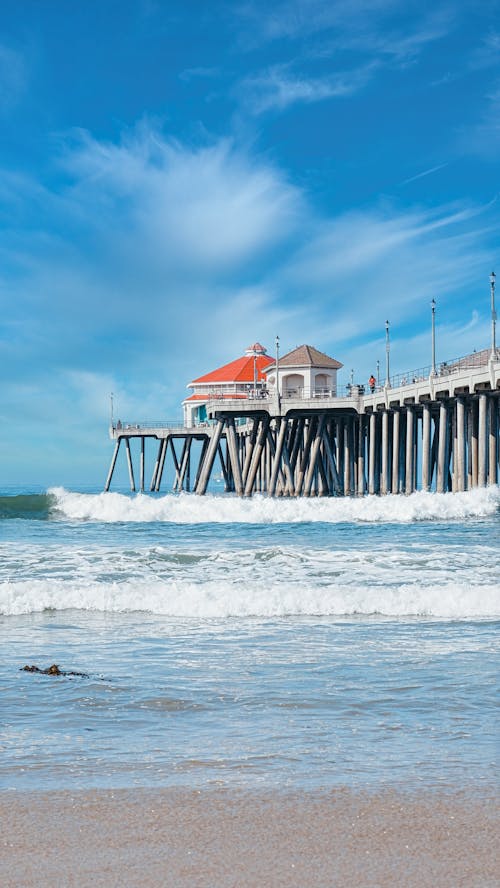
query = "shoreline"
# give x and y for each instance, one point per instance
(240, 837)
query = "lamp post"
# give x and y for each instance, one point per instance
(387, 356)
(433, 329)
(111, 405)
(493, 318)
(254, 373)
(278, 374)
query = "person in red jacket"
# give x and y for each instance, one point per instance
(372, 383)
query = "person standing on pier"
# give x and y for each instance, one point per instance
(372, 383)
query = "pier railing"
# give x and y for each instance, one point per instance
(445, 368)
(120, 426)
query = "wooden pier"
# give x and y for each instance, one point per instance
(439, 432)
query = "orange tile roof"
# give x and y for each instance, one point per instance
(240, 370)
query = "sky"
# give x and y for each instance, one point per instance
(180, 179)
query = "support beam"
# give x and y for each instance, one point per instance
(130, 466)
(155, 470)
(459, 469)
(112, 465)
(163, 454)
(256, 456)
(276, 464)
(224, 468)
(305, 455)
(474, 443)
(204, 448)
(409, 463)
(176, 464)
(337, 486)
(426, 446)
(234, 456)
(442, 436)
(209, 459)
(361, 455)
(185, 457)
(141, 466)
(493, 441)
(371, 461)
(395, 451)
(250, 444)
(481, 443)
(314, 455)
(347, 460)
(385, 453)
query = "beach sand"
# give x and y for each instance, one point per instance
(224, 837)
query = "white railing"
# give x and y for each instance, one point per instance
(120, 426)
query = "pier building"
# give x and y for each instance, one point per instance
(234, 381)
(281, 426)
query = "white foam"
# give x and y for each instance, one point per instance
(178, 598)
(190, 509)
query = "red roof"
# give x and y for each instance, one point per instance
(240, 370)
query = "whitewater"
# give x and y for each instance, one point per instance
(295, 641)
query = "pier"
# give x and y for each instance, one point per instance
(431, 429)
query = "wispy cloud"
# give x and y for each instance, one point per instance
(277, 87)
(200, 73)
(362, 267)
(483, 137)
(434, 169)
(361, 34)
(303, 18)
(385, 27)
(487, 53)
(146, 246)
(13, 76)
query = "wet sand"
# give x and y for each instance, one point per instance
(216, 838)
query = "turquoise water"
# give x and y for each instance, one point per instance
(264, 642)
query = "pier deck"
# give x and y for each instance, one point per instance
(440, 431)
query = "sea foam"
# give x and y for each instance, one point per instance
(215, 600)
(187, 508)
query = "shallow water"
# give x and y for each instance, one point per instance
(249, 643)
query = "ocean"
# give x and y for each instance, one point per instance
(309, 643)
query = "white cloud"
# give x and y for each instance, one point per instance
(368, 36)
(363, 267)
(212, 206)
(277, 88)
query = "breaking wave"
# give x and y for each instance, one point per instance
(212, 600)
(33, 505)
(187, 508)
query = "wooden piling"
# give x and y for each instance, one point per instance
(112, 465)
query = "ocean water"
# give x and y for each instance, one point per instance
(290, 643)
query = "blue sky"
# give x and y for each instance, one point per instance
(181, 179)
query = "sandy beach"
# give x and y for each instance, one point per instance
(219, 837)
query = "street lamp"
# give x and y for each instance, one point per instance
(277, 373)
(387, 354)
(493, 318)
(433, 327)
(254, 373)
